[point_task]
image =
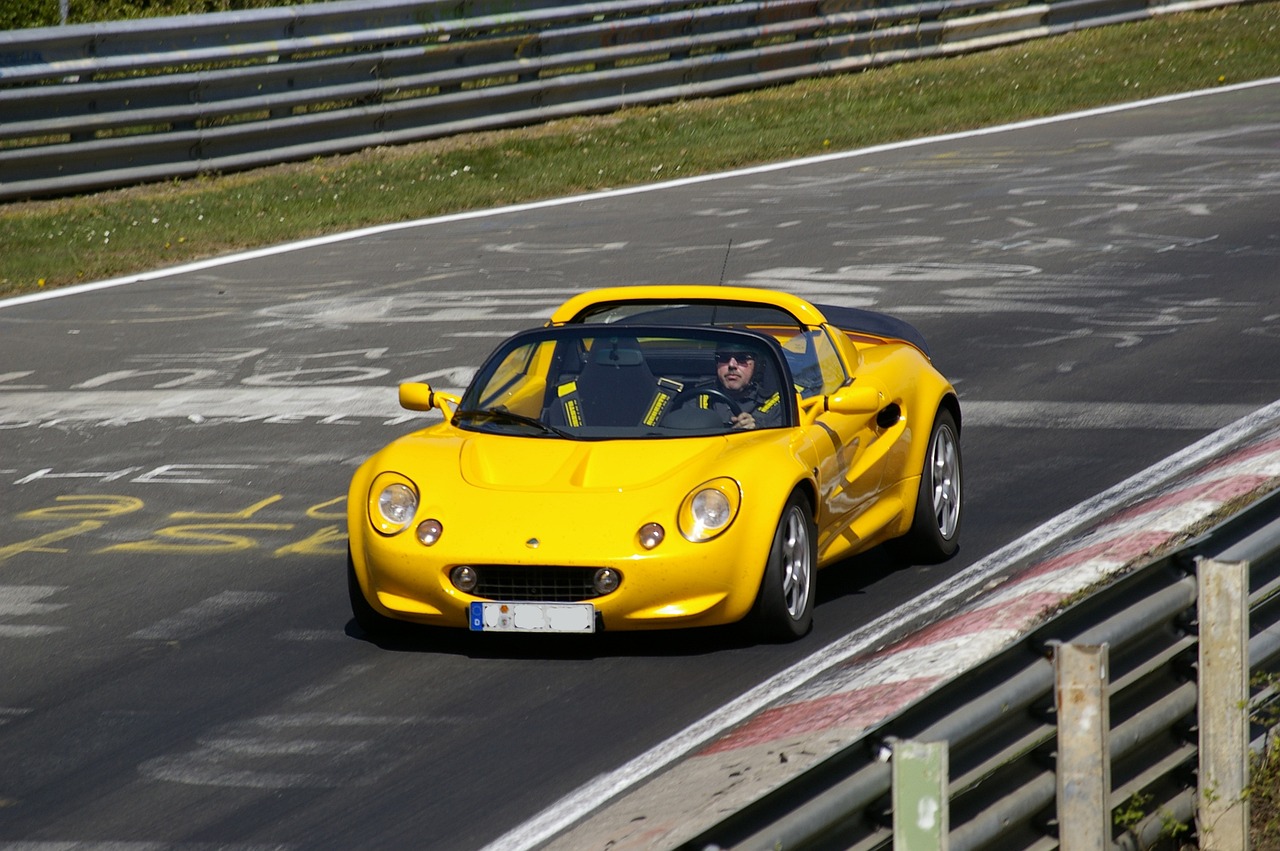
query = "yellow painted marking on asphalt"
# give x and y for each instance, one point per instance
(85, 507)
(225, 532)
(235, 515)
(199, 539)
(41, 543)
(317, 512)
(329, 541)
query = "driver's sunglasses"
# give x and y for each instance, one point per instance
(740, 357)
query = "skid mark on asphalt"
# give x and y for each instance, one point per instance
(9, 713)
(348, 405)
(22, 601)
(207, 615)
(106, 845)
(297, 750)
(1111, 415)
(309, 750)
(335, 634)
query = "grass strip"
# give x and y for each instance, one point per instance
(58, 242)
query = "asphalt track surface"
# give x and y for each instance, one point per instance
(178, 663)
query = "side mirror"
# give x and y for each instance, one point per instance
(855, 399)
(415, 396)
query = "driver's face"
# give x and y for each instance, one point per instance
(735, 370)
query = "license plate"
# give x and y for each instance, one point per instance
(533, 617)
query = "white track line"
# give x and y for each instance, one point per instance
(272, 251)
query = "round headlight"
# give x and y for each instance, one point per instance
(709, 509)
(393, 500)
(397, 503)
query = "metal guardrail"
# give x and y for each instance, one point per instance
(103, 105)
(1000, 726)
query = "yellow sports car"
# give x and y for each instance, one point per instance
(657, 457)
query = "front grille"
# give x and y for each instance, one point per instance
(540, 583)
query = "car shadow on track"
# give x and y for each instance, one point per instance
(854, 575)
(410, 638)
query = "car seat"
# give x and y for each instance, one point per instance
(616, 387)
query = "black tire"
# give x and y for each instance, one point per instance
(935, 529)
(373, 623)
(783, 609)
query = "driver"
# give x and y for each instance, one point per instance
(738, 375)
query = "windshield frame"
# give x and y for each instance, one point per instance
(529, 372)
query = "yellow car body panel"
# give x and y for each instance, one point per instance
(676, 293)
(866, 397)
(584, 505)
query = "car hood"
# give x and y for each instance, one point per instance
(580, 500)
(495, 462)
(549, 465)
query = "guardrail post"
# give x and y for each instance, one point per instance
(1084, 750)
(921, 815)
(1224, 705)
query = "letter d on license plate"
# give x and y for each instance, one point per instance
(533, 617)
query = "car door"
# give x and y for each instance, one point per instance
(850, 448)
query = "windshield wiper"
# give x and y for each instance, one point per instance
(505, 416)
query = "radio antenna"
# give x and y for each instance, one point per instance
(725, 265)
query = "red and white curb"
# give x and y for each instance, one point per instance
(810, 711)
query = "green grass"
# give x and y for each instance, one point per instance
(1264, 785)
(1264, 802)
(59, 242)
(19, 14)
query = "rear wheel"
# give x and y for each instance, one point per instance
(935, 528)
(784, 605)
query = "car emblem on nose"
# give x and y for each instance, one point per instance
(533, 543)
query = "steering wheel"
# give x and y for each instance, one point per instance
(719, 396)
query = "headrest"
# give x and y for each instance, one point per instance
(617, 352)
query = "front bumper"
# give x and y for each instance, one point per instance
(678, 584)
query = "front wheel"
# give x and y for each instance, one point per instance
(935, 528)
(374, 624)
(784, 605)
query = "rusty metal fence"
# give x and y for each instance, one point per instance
(95, 106)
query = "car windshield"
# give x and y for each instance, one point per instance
(594, 382)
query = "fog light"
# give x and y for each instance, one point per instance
(607, 580)
(464, 578)
(429, 532)
(651, 534)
